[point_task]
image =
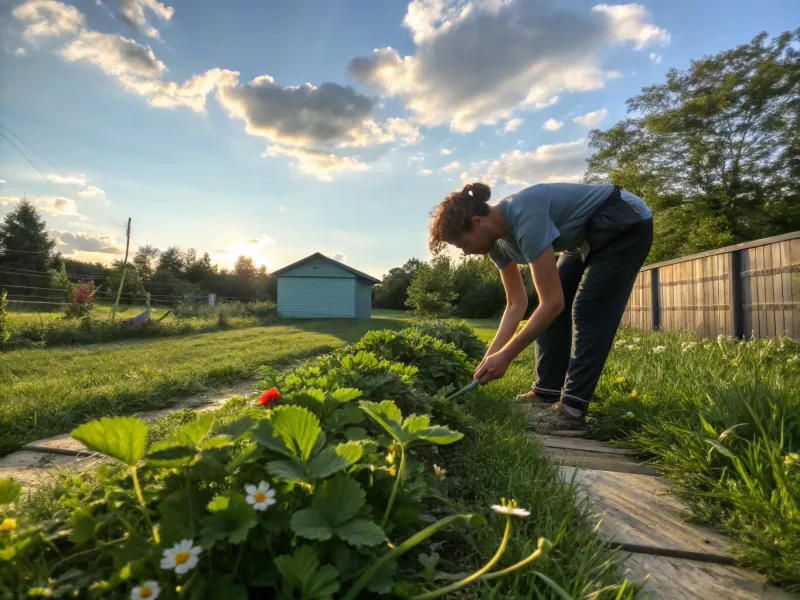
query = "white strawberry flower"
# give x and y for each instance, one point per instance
(510, 508)
(182, 557)
(260, 497)
(149, 590)
(659, 349)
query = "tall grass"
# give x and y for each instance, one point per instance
(50, 329)
(44, 392)
(721, 418)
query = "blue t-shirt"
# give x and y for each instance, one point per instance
(557, 214)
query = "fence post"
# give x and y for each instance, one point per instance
(737, 308)
(655, 299)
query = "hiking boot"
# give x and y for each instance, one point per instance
(533, 402)
(559, 422)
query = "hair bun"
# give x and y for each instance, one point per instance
(479, 191)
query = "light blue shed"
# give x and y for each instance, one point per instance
(320, 287)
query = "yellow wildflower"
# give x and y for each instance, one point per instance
(620, 380)
(8, 524)
(634, 393)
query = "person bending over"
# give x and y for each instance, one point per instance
(603, 235)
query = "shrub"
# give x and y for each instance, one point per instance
(455, 332)
(431, 290)
(289, 501)
(440, 364)
(81, 302)
(5, 327)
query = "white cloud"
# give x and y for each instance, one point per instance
(309, 116)
(52, 205)
(322, 165)
(78, 181)
(133, 13)
(446, 151)
(87, 242)
(139, 71)
(283, 209)
(591, 119)
(512, 125)
(425, 172)
(629, 24)
(3, 181)
(337, 256)
(19, 52)
(552, 125)
(372, 133)
(48, 18)
(656, 58)
(453, 166)
(545, 164)
(475, 62)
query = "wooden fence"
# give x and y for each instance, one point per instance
(747, 290)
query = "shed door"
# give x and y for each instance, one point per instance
(314, 297)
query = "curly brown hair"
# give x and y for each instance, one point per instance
(452, 217)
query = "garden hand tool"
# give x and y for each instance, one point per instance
(467, 388)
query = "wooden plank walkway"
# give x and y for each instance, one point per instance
(636, 512)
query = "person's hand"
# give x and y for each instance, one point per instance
(493, 367)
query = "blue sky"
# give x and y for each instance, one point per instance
(280, 129)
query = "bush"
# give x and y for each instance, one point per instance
(440, 364)
(454, 332)
(431, 292)
(5, 329)
(324, 494)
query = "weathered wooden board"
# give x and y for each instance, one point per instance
(640, 510)
(551, 441)
(680, 579)
(601, 461)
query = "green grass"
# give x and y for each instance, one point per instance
(101, 311)
(722, 420)
(44, 392)
(498, 458)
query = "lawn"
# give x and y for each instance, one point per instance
(721, 419)
(44, 392)
(102, 311)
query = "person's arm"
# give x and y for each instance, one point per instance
(551, 303)
(516, 304)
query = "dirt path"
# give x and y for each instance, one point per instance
(34, 465)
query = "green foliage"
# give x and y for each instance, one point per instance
(392, 291)
(431, 290)
(713, 146)
(236, 496)
(123, 438)
(455, 332)
(5, 325)
(722, 419)
(9, 491)
(439, 363)
(480, 290)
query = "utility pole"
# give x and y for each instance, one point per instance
(124, 270)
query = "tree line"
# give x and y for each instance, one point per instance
(714, 151)
(29, 266)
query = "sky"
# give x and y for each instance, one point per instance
(279, 129)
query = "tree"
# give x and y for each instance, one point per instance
(201, 271)
(144, 260)
(479, 287)
(392, 291)
(171, 261)
(431, 290)
(244, 267)
(25, 248)
(716, 146)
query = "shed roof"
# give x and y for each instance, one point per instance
(356, 272)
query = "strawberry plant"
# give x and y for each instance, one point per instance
(318, 491)
(439, 363)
